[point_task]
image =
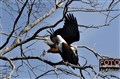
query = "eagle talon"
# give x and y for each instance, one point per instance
(66, 63)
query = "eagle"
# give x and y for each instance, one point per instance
(62, 39)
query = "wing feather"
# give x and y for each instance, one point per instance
(69, 32)
(70, 29)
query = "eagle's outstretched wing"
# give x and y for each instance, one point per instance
(69, 32)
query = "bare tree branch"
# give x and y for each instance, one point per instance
(18, 17)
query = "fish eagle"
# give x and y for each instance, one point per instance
(63, 38)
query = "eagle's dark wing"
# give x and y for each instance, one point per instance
(69, 32)
(70, 29)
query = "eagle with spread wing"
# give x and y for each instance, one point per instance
(62, 39)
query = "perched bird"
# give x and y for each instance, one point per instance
(62, 39)
(69, 33)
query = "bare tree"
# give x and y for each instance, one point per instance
(25, 27)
